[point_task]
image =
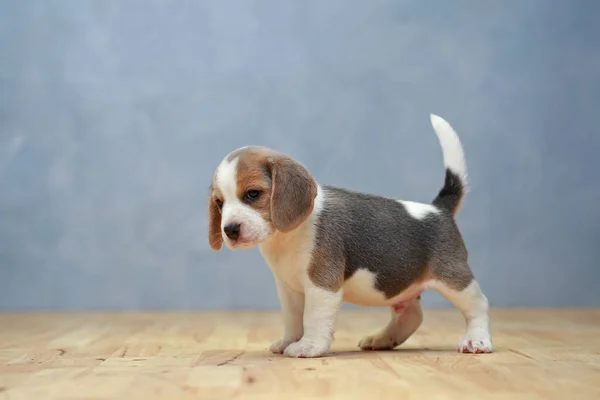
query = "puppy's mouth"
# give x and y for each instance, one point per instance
(241, 243)
(247, 241)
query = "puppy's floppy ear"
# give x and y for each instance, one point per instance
(214, 224)
(293, 193)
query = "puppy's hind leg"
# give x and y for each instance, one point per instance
(400, 327)
(473, 305)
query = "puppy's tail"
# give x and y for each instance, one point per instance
(455, 185)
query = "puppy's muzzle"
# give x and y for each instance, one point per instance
(232, 231)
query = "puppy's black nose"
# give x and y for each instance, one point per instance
(232, 231)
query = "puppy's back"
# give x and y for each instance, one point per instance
(399, 242)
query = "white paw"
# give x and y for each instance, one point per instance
(280, 345)
(475, 343)
(306, 349)
(380, 341)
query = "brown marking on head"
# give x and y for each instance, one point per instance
(253, 173)
(287, 190)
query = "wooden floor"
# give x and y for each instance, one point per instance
(539, 355)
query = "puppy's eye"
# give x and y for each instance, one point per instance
(219, 203)
(251, 195)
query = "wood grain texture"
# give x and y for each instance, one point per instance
(546, 354)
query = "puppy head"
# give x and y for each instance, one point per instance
(255, 193)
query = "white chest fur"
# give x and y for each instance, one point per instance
(289, 254)
(287, 261)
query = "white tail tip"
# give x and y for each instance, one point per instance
(454, 157)
(439, 122)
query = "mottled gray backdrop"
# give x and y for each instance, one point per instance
(113, 115)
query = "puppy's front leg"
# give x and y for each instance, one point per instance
(292, 307)
(320, 310)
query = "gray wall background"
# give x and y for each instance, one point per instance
(113, 115)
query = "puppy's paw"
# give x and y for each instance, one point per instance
(280, 345)
(306, 349)
(477, 343)
(380, 341)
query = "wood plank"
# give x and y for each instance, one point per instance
(540, 354)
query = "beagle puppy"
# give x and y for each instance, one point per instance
(327, 245)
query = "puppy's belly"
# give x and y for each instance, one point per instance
(360, 290)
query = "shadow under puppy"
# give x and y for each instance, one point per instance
(326, 245)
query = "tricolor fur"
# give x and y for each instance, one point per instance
(328, 245)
